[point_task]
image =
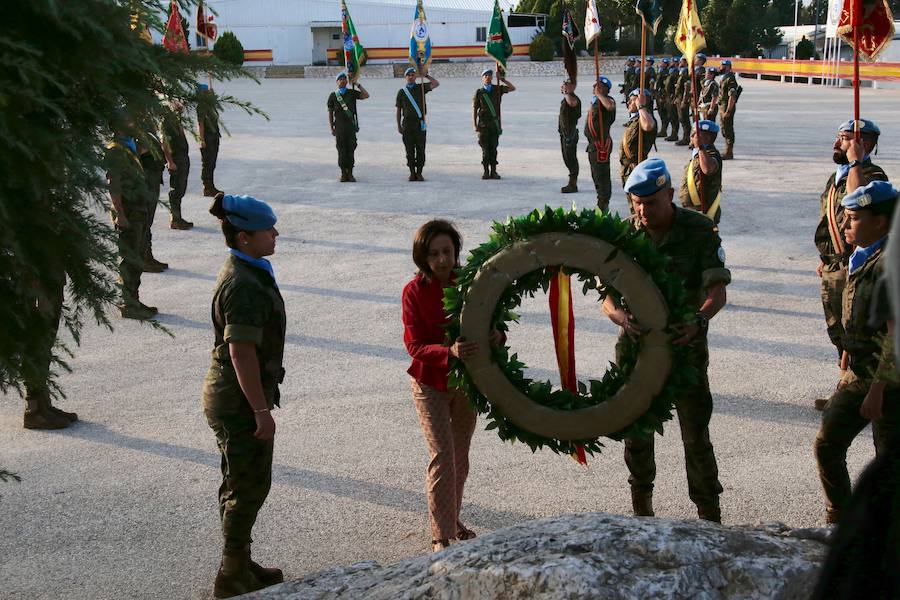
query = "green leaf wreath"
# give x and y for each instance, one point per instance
(627, 240)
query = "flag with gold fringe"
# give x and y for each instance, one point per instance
(875, 24)
(174, 39)
(689, 36)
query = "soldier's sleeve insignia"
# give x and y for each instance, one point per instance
(721, 254)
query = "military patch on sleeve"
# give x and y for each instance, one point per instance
(721, 254)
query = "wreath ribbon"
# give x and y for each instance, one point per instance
(562, 318)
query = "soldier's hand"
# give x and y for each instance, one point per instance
(332, 132)
(171, 166)
(819, 268)
(855, 150)
(685, 333)
(399, 130)
(265, 426)
(496, 338)
(871, 406)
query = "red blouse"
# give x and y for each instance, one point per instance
(423, 331)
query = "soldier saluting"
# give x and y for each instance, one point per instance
(486, 119)
(411, 110)
(600, 117)
(344, 122)
(569, 113)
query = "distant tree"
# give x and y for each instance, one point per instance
(229, 49)
(541, 48)
(739, 27)
(805, 49)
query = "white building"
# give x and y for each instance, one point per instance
(307, 32)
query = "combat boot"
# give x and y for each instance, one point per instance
(350, 176)
(487, 173)
(673, 137)
(729, 151)
(571, 187)
(180, 224)
(419, 174)
(413, 176)
(210, 191)
(685, 139)
(151, 265)
(710, 512)
(344, 178)
(43, 398)
(642, 504)
(266, 575)
(235, 577)
(662, 131)
(494, 174)
(136, 311)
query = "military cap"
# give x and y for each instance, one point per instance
(248, 213)
(700, 55)
(605, 81)
(726, 62)
(706, 125)
(872, 194)
(202, 87)
(341, 74)
(712, 71)
(677, 58)
(664, 60)
(650, 60)
(637, 91)
(487, 72)
(648, 178)
(408, 71)
(865, 126)
(632, 58)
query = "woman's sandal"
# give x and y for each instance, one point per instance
(464, 533)
(438, 545)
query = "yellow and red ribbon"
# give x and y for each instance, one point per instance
(562, 317)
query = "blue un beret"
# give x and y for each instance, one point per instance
(712, 71)
(664, 61)
(700, 55)
(707, 125)
(202, 87)
(487, 72)
(726, 63)
(408, 71)
(637, 91)
(605, 82)
(248, 213)
(650, 59)
(341, 74)
(632, 58)
(865, 126)
(648, 178)
(874, 193)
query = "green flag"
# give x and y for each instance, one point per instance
(498, 43)
(651, 12)
(354, 53)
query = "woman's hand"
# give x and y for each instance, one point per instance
(462, 349)
(496, 338)
(626, 321)
(265, 426)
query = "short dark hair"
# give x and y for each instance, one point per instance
(423, 238)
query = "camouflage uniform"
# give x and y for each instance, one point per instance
(697, 259)
(628, 149)
(153, 164)
(489, 128)
(568, 134)
(671, 97)
(414, 134)
(246, 307)
(126, 178)
(600, 168)
(871, 359)
(727, 89)
(662, 102)
(709, 93)
(209, 151)
(708, 186)
(834, 271)
(345, 126)
(176, 141)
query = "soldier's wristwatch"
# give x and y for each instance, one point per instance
(702, 322)
(852, 163)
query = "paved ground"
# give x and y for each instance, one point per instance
(123, 503)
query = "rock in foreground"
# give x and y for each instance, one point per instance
(592, 555)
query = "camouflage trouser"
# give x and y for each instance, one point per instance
(694, 408)
(178, 180)
(602, 180)
(663, 108)
(841, 423)
(569, 147)
(673, 119)
(43, 316)
(345, 140)
(153, 171)
(834, 278)
(684, 115)
(131, 254)
(414, 142)
(727, 127)
(488, 139)
(246, 475)
(208, 157)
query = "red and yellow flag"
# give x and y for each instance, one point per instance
(562, 317)
(174, 39)
(689, 36)
(875, 22)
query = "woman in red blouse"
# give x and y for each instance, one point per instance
(446, 416)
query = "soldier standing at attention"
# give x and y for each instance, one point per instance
(701, 186)
(627, 79)
(153, 164)
(411, 110)
(686, 108)
(681, 108)
(241, 386)
(569, 113)
(671, 87)
(854, 169)
(729, 91)
(487, 120)
(208, 125)
(639, 119)
(600, 117)
(662, 101)
(128, 196)
(709, 96)
(690, 239)
(700, 61)
(870, 389)
(175, 147)
(344, 123)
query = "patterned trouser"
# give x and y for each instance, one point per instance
(448, 422)
(834, 279)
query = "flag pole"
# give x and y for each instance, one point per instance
(694, 102)
(857, 10)
(641, 88)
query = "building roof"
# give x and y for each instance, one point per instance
(485, 5)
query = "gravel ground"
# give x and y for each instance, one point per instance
(123, 503)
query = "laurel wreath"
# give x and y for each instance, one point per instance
(627, 241)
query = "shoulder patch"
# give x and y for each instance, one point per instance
(720, 253)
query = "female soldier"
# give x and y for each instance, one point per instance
(446, 416)
(241, 386)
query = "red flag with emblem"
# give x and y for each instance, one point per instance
(174, 40)
(871, 21)
(205, 26)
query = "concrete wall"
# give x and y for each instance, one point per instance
(610, 67)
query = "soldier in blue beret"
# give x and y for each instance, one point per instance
(870, 388)
(344, 122)
(567, 127)
(487, 120)
(628, 78)
(672, 112)
(640, 123)
(178, 163)
(701, 186)
(659, 94)
(709, 95)
(210, 136)
(698, 260)
(682, 103)
(600, 117)
(241, 385)
(854, 169)
(411, 111)
(729, 92)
